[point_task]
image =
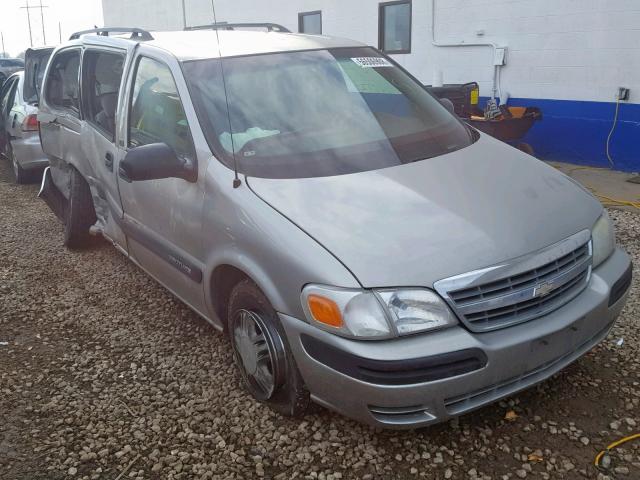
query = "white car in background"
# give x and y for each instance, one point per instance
(19, 136)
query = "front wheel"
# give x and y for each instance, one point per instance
(261, 352)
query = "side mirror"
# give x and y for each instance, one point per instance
(155, 161)
(448, 104)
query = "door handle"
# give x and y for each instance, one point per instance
(108, 161)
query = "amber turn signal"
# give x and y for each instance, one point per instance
(325, 311)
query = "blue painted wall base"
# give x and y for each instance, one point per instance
(576, 132)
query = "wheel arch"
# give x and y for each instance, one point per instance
(227, 274)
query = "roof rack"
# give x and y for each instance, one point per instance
(271, 27)
(136, 33)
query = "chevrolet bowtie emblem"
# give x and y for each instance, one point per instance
(543, 289)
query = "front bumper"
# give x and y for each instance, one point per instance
(516, 358)
(28, 151)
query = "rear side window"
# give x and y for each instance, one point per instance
(5, 94)
(157, 114)
(14, 98)
(102, 74)
(62, 88)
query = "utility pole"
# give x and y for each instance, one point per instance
(60, 32)
(2, 36)
(184, 15)
(44, 36)
(27, 7)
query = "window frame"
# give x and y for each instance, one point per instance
(381, 25)
(84, 98)
(15, 101)
(132, 84)
(10, 85)
(301, 16)
(45, 87)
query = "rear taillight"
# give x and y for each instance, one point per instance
(30, 123)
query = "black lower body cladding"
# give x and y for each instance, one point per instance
(395, 372)
(621, 286)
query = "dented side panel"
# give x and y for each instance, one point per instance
(100, 153)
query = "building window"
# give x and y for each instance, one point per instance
(310, 22)
(394, 27)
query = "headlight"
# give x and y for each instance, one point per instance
(375, 314)
(417, 310)
(603, 239)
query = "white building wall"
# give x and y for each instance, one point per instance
(557, 49)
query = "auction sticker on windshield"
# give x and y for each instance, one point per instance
(371, 62)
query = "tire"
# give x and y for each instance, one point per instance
(268, 351)
(20, 175)
(79, 213)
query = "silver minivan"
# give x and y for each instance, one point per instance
(362, 247)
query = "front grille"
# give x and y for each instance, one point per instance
(549, 279)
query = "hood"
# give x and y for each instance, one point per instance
(414, 224)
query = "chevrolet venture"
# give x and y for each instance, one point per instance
(361, 246)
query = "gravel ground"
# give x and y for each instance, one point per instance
(104, 371)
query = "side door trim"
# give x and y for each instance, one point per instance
(190, 267)
(165, 250)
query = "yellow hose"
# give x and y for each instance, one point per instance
(606, 201)
(614, 202)
(613, 445)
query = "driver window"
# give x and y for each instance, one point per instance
(156, 112)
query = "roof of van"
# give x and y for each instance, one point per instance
(201, 44)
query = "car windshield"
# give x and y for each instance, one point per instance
(318, 113)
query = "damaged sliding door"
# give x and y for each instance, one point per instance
(102, 71)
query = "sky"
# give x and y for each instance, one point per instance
(73, 15)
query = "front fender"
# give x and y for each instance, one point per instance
(243, 231)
